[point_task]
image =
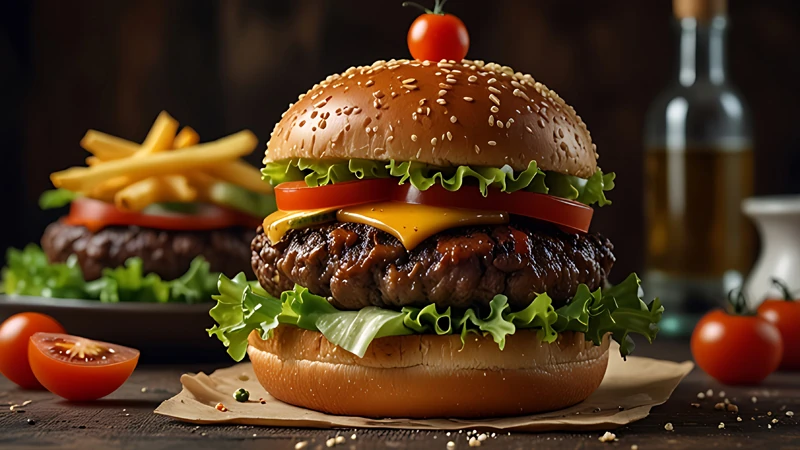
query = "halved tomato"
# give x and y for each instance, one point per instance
(96, 215)
(570, 215)
(77, 368)
(296, 195)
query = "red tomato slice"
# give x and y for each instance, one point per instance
(567, 214)
(79, 369)
(15, 333)
(296, 195)
(96, 215)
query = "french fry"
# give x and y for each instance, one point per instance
(108, 147)
(177, 189)
(201, 156)
(186, 138)
(108, 189)
(93, 161)
(160, 136)
(243, 174)
(137, 196)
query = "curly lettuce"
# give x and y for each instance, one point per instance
(28, 272)
(243, 307)
(422, 176)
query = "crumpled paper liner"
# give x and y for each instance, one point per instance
(628, 392)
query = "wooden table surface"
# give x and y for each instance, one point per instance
(125, 420)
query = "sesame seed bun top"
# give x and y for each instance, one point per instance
(444, 114)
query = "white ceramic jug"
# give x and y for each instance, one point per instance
(778, 222)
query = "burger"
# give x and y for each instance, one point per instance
(156, 221)
(431, 253)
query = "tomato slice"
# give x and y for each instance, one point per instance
(79, 369)
(96, 215)
(570, 215)
(296, 195)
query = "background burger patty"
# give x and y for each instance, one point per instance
(358, 265)
(166, 253)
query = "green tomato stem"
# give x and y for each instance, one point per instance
(784, 288)
(417, 5)
(738, 303)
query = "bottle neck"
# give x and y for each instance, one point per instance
(702, 51)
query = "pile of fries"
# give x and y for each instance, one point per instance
(169, 166)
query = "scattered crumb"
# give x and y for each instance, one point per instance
(447, 434)
(221, 407)
(26, 402)
(695, 405)
(474, 442)
(739, 419)
(482, 437)
(721, 425)
(300, 445)
(719, 406)
(769, 413)
(262, 401)
(451, 445)
(701, 395)
(769, 426)
(255, 435)
(790, 413)
(753, 399)
(709, 393)
(774, 420)
(330, 442)
(722, 393)
(732, 408)
(31, 422)
(608, 437)
(144, 389)
(243, 377)
(204, 434)
(727, 401)
(669, 426)
(353, 437)
(634, 447)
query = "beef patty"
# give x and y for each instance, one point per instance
(357, 265)
(166, 253)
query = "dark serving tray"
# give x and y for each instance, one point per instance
(163, 332)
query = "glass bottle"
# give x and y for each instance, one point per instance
(698, 168)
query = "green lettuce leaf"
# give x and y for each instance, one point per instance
(242, 309)
(27, 272)
(56, 198)
(423, 176)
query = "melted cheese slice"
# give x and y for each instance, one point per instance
(412, 224)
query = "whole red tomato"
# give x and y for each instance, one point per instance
(785, 315)
(14, 335)
(736, 349)
(435, 36)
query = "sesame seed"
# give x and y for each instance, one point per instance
(453, 119)
(438, 74)
(422, 102)
(441, 101)
(540, 122)
(519, 93)
(394, 94)
(445, 86)
(509, 122)
(442, 93)
(494, 89)
(472, 78)
(409, 81)
(450, 138)
(468, 99)
(414, 137)
(428, 111)
(499, 123)
(451, 80)
(529, 129)
(477, 149)
(320, 104)
(300, 445)
(491, 120)
(669, 426)
(721, 425)
(433, 141)
(492, 81)
(414, 116)
(451, 445)
(340, 439)
(330, 442)
(390, 139)
(494, 99)
(411, 87)
(369, 83)
(494, 109)
(353, 436)
(377, 94)
(492, 143)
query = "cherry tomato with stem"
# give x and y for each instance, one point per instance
(785, 315)
(736, 347)
(14, 335)
(77, 368)
(435, 36)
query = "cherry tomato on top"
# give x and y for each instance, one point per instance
(435, 36)
(785, 315)
(14, 335)
(79, 369)
(738, 348)
(95, 215)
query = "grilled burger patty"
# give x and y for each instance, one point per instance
(166, 253)
(357, 265)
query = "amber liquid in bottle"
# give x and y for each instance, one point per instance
(695, 229)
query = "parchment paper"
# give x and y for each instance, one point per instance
(628, 392)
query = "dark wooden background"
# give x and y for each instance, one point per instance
(221, 66)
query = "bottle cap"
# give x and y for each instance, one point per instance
(702, 10)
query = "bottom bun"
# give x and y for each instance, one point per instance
(424, 376)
